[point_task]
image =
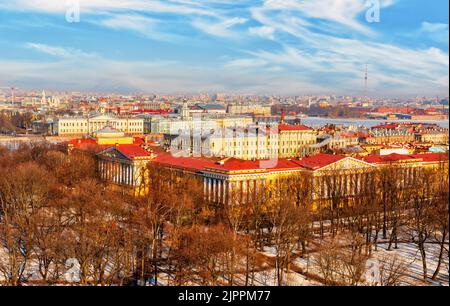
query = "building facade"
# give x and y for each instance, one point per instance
(326, 175)
(124, 164)
(77, 126)
(256, 109)
(295, 140)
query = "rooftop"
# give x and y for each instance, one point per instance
(188, 163)
(133, 152)
(319, 161)
(394, 157)
(288, 127)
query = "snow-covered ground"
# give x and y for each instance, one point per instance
(408, 253)
(302, 269)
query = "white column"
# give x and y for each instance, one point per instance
(224, 191)
(219, 190)
(209, 189)
(100, 166)
(215, 190)
(108, 165)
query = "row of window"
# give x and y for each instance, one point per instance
(84, 131)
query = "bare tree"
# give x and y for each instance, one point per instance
(342, 260)
(440, 214)
(392, 270)
(24, 191)
(420, 213)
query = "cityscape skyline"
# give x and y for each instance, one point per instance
(254, 47)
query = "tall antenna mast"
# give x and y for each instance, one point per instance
(365, 82)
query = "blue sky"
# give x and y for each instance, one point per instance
(236, 46)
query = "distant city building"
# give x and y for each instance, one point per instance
(44, 127)
(295, 140)
(247, 143)
(73, 126)
(435, 137)
(155, 105)
(175, 124)
(243, 143)
(256, 109)
(208, 108)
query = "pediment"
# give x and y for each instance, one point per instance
(348, 163)
(112, 153)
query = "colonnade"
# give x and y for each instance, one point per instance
(221, 190)
(117, 172)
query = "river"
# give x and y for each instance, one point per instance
(318, 121)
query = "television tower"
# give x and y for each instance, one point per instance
(366, 77)
(13, 89)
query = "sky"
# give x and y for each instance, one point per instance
(283, 47)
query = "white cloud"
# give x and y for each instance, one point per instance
(311, 55)
(96, 73)
(264, 32)
(106, 6)
(59, 51)
(245, 63)
(206, 15)
(134, 22)
(435, 31)
(323, 55)
(343, 12)
(434, 27)
(146, 26)
(222, 28)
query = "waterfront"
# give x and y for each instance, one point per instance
(319, 121)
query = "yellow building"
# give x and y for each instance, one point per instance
(295, 140)
(77, 126)
(111, 136)
(436, 137)
(256, 109)
(124, 164)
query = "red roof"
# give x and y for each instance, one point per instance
(133, 151)
(287, 127)
(432, 157)
(82, 141)
(394, 157)
(363, 134)
(138, 140)
(319, 161)
(348, 135)
(190, 163)
(86, 144)
(152, 111)
(234, 164)
(390, 126)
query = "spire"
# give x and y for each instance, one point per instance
(43, 98)
(282, 116)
